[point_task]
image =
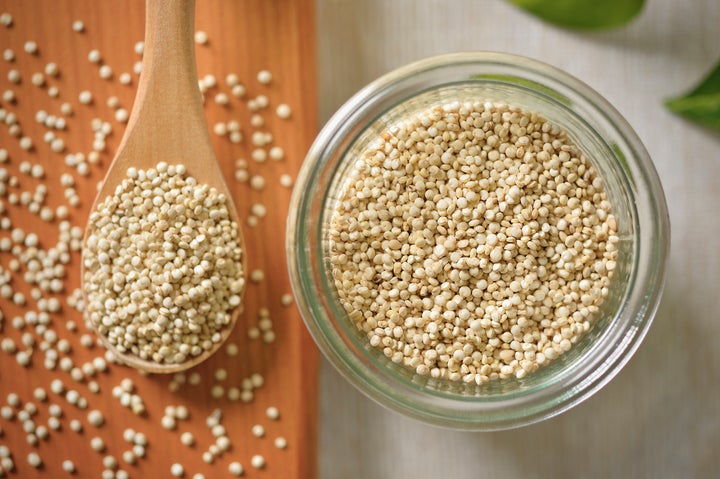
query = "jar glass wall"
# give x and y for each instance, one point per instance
(599, 132)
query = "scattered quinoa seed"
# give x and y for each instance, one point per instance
(182, 412)
(238, 91)
(220, 129)
(128, 434)
(110, 462)
(261, 101)
(257, 461)
(286, 299)
(168, 422)
(31, 47)
(233, 393)
(276, 153)
(257, 380)
(283, 111)
(264, 77)
(94, 56)
(85, 97)
(232, 349)
(253, 333)
(187, 439)
(235, 137)
(13, 76)
(34, 459)
(259, 210)
(201, 38)
(220, 374)
(40, 394)
(13, 400)
(76, 425)
(68, 466)
(258, 431)
(51, 69)
(121, 115)
(96, 418)
(37, 79)
(272, 413)
(177, 470)
(209, 81)
(235, 468)
(9, 96)
(286, 180)
(257, 182)
(195, 378)
(138, 450)
(105, 72)
(217, 391)
(55, 410)
(257, 120)
(97, 444)
(26, 143)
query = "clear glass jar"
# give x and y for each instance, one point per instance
(632, 186)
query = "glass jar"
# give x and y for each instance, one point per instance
(632, 187)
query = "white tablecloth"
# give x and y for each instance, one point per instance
(660, 417)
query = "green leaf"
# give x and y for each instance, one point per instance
(583, 14)
(701, 104)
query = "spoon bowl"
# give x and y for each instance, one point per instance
(167, 124)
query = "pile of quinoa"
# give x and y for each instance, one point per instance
(162, 265)
(473, 241)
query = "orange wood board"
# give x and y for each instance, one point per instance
(244, 37)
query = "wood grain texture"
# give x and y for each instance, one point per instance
(660, 417)
(244, 37)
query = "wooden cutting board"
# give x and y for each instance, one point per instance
(244, 37)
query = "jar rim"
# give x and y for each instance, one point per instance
(470, 412)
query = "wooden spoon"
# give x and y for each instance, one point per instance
(168, 124)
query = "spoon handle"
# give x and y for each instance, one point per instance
(168, 117)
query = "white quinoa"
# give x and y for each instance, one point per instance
(472, 242)
(163, 267)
